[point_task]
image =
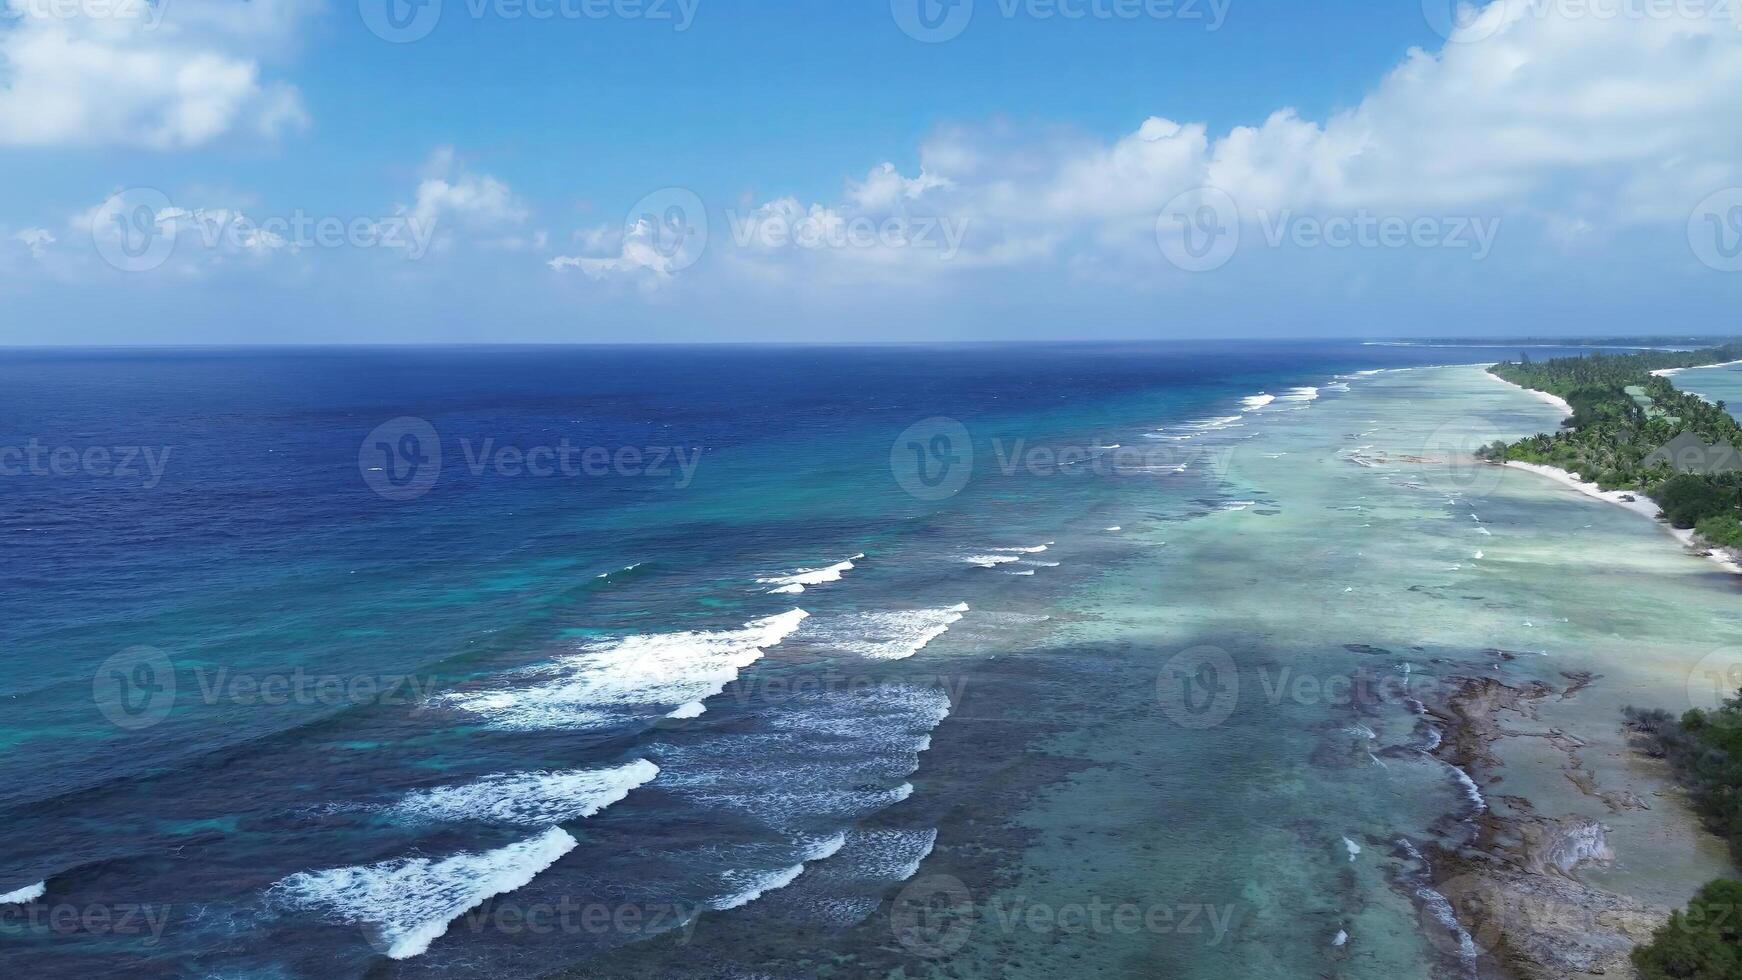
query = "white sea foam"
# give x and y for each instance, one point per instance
(834, 757)
(631, 675)
(827, 848)
(625, 568)
(29, 893)
(1353, 848)
(758, 885)
(529, 799)
(805, 577)
(1034, 550)
(1471, 790)
(1255, 402)
(1433, 740)
(890, 855)
(1114, 529)
(1300, 395)
(1447, 917)
(1211, 425)
(1238, 505)
(754, 885)
(692, 710)
(1440, 908)
(788, 808)
(407, 904)
(893, 635)
(990, 561)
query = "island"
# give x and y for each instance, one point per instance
(1631, 431)
(1632, 434)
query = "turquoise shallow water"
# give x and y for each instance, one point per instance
(1390, 560)
(1714, 384)
(1172, 732)
(1270, 821)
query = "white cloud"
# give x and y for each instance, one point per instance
(884, 188)
(134, 73)
(475, 200)
(451, 200)
(1544, 106)
(37, 240)
(1548, 115)
(1592, 137)
(637, 254)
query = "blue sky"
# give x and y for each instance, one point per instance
(1546, 169)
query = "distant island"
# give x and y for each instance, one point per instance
(1638, 343)
(1632, 430)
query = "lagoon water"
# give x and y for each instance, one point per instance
(979, 661)
(1715, 384)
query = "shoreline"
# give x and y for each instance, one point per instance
(1637, 504)
(1511, 871)
(1671, 372)
(1632, 500)
(1513, 884)
(1543, 396)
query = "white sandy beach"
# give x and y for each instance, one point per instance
(1555, 400)
(1635, 502)
(1667, 372)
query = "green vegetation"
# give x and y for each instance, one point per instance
(1702, 943)
(1724, 530)
(1613, 440)
(1615, 437)
(1705, 748)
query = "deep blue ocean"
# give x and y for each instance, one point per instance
(355, 662)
